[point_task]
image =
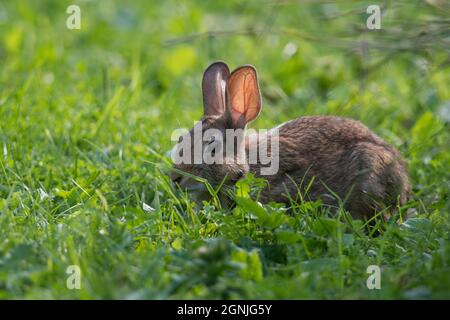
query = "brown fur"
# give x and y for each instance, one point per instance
(341, 155)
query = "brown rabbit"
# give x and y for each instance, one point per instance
(340, 156)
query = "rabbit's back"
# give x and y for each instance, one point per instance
(341, 157)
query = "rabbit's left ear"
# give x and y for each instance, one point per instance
(243, 96)
(213, 86)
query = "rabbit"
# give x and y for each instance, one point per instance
(340, 156)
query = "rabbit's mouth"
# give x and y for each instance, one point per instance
(197, 187)
(188, 184)
(197, 190)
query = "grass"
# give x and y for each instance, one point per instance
(86, 117)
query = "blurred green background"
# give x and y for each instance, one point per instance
(86, 115)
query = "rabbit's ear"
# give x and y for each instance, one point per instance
(243, 96)
(213, 86)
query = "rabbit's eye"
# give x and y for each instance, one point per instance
(211, 145)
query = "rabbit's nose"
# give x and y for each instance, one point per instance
(176, 177)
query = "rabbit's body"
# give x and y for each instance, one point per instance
(319, 157)
(340, 156)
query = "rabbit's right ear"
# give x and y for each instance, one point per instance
(213, 85)
(243, 96)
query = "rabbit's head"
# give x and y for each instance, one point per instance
(216, 144)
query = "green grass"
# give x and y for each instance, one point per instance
(86, 117)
